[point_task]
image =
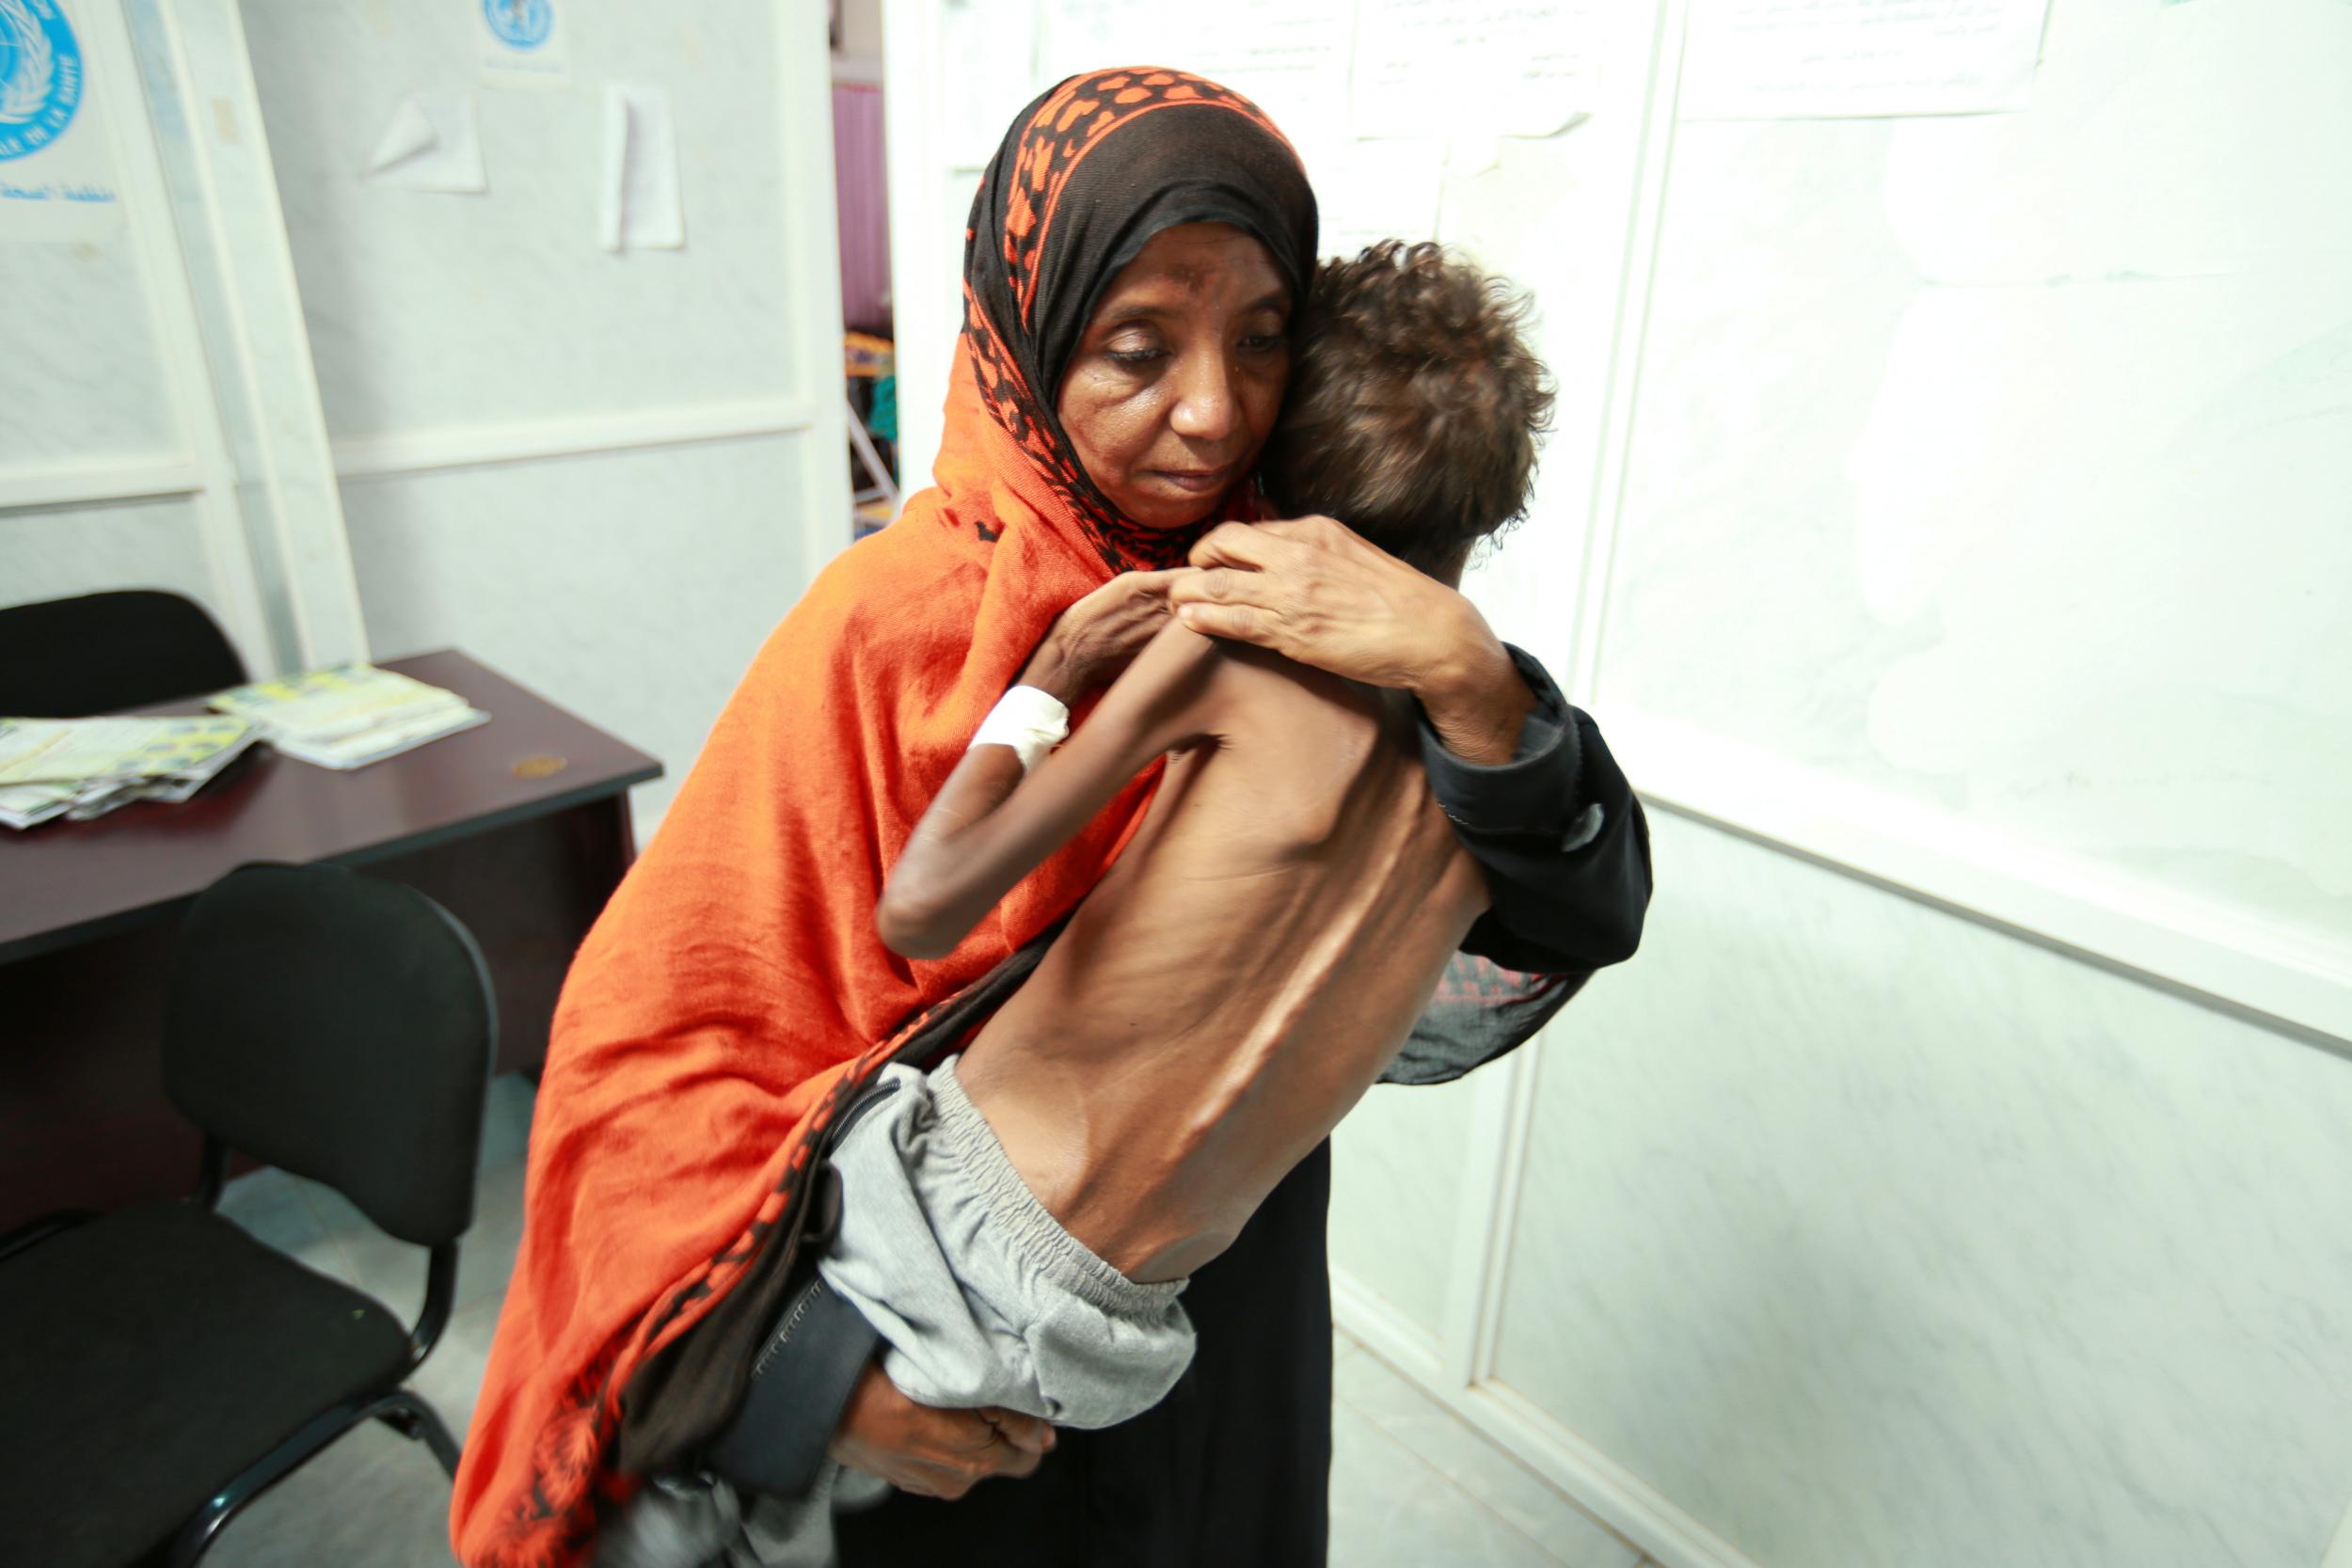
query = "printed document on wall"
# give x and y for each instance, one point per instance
(1471, 67)
(1818, 59)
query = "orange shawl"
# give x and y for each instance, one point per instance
(735, 979)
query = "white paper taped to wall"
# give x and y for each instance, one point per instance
(433, 142)
(1807, 59)
(641, 206)
(1495, 67)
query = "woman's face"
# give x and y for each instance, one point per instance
(1176, 383)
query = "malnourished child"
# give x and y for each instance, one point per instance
(1018, 1224)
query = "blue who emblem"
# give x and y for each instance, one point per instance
(41, 77)
(521, 23)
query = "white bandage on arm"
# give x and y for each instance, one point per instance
(1031, 722)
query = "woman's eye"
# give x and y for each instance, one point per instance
(1263, 341)
(1133, 355)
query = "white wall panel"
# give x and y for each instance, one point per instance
(521, 564)
(428, 310)
(1399, 1162)
(1873, 1236)
(53, 554)
(83, 377)
(609, 475)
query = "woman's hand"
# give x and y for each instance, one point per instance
(933, 1453)
(1091, 641)
(1314, 591)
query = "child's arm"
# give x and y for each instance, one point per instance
(990, 827)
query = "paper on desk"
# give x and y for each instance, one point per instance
(641, 208)
(84, 767)
(1471, 67)
(29, 805)
(344, 699)
(74, 751)
(1810, 60)
(349, 713)
(375, 743)
(432, 143)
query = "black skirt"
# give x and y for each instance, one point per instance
(1231, 1470)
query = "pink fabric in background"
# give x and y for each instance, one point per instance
(865, 203)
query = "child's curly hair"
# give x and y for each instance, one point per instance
(1414, 406)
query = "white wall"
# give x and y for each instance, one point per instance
(162, 431)
(608, 475)
(1931, 1190)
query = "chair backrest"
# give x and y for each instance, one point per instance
(342, 1028)
(67, 658)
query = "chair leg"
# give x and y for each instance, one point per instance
(400, 1408)
(408, 1415)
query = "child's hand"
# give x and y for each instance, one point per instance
(1092, 641)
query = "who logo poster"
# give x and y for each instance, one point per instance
(57, 175)
(520, 43)
(57, 172)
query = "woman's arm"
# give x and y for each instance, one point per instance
(990, 826)
(1529, 785)
(1558, 831)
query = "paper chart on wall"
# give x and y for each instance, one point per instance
(1471, 67)
(1808, 59)
(56, 170)
(521, 43)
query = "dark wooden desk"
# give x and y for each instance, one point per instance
(521, 828)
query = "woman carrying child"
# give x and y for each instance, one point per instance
(734, 993)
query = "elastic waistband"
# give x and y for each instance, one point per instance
(1039, 1236)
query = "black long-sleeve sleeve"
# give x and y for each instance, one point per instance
(1559, 834)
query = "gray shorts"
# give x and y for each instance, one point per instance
(980, 1296)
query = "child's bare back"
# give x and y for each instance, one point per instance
(1256, 958)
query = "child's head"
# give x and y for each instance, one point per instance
(1413, 406)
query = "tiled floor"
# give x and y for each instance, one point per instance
(1411, 1485)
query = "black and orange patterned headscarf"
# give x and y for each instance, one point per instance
(1084, 177)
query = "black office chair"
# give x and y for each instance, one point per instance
(162, 1368)
(67, 658)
